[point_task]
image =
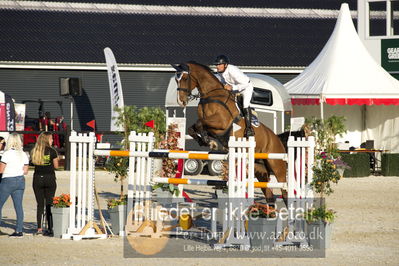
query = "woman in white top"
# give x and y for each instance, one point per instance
(14, 165)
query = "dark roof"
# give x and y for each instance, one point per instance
(314, 4)
(54, 36)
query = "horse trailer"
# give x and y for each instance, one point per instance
(269, 99)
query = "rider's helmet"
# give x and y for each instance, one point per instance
(221, 59)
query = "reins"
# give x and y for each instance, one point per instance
(206, 98)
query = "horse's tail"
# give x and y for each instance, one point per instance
(284, 136)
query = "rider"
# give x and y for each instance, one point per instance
(235, 80)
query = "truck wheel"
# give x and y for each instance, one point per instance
(215, 168)
(193, 167)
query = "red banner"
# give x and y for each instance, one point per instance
(3, 117)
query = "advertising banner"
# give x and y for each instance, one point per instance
(390, 54)
(19, 116)
(115, 87)
(3, 117)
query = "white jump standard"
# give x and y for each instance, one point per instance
(241, 184)
(81, 212)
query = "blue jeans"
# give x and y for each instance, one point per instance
(15, 187)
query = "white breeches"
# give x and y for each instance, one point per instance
(247, 95)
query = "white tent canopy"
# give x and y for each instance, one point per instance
(344, 73)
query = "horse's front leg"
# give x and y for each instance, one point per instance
(197, 132)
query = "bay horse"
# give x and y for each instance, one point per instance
(217, 111)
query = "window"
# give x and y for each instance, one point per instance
(395, 17)
(262, 97)
(377, 18)
(383, 17)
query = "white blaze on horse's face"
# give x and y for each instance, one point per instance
(182, 88)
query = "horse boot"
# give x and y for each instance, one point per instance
(249, 131)
(196, 136)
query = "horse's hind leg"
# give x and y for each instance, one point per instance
(279, 168)
(262, 174)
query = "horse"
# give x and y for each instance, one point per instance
(217, 111)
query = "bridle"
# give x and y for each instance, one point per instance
(190, 96)
(204, 98)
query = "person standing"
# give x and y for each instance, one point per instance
(45, 159)
(235, 80)
(2, 147)
(14, 165)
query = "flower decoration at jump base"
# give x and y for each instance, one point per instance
(169, 166)
(112, 203)
(62, 201)
(320, 214)
(259, 210)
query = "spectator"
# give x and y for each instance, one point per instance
(45, 159)
(2, 146)
(14, 165)
(46, 123)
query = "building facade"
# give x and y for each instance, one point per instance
(43, 41)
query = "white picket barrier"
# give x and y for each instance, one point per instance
(300, 193)
(240, 185)
(241, 192)
(81, 212)
(241, 188)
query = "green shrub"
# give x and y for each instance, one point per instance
(390, 164)
(359, 163)
(321, 214)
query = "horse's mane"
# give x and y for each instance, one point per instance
(206, 68)
(201, 65)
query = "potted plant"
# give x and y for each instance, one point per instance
(319, 226)
(262, 224)
(60, 212)
(132, 119)
(117, 212)
(326, 172)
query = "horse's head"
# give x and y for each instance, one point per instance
(185, 83)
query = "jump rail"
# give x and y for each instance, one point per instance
(207, 182)
(241, 183)
(173, 154)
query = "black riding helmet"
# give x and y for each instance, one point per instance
(221, 59)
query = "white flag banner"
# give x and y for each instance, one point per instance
(115, 87)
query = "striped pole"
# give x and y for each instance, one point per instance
(207, 182)
(172, 154)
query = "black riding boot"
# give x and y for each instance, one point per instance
(249, 132)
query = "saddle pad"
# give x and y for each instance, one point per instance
(254, 119)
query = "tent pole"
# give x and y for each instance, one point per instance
(364, 117)
(321, 109)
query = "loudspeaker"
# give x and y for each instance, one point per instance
(70, 86)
